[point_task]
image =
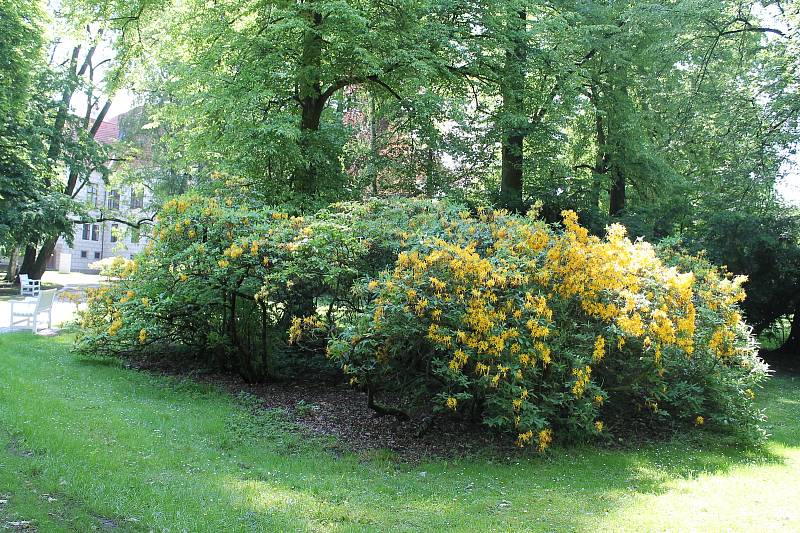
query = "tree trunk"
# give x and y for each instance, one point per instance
(792, 344)
(430, 171)
(601, 155)
(515, 120)
(616, 201)
(13, 264)
(312, 104)
(28, 259)
(42, 258)
(511, 178)
(601, 161)
(373, 144)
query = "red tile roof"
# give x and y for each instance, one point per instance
(108, 132)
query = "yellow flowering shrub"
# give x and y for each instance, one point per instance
(550, 332)
(542, 332)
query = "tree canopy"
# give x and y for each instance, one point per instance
(672, 117)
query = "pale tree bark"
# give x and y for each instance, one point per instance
(13, 264)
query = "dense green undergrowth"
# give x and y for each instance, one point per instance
(86, 443)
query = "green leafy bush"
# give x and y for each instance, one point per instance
(763, 246)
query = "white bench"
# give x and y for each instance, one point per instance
(29, 287)
(29, 317)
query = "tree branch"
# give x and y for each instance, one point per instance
(143, 221)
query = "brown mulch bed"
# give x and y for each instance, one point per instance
(340, 411)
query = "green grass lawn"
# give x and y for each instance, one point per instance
(87, 444)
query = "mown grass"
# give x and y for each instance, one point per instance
(88, 444)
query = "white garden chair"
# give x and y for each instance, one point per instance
(29, 287)
(32, 308)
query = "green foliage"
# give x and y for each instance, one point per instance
(260, 88)
(21, 54)
(41, 139)
(763, 246)
(21, 51)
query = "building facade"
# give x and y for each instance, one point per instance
(100, 240)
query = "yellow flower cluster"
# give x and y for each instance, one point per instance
(115, 326)
(233, 251)
(599, 349)
(721, 343)
(524, 438)
(582, 378)
(545, 438)
(624, 283)
(299, 325)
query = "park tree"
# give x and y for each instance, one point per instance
(256, 88)
(66, 140)
(21, 54)
(661, 115)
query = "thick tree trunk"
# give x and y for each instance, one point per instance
(792, 344)
(601, 155)
(601, 160)
(42, 258)
(515, 120)
(312, 104)
(511, 177)
(616, 201)
(28, 259)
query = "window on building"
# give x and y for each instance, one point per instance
(84, 255)
(91, 195)
(137, 199)
(97, 255)
(114, 231)
(87, 228)
(113, 199)
(95, 232)
(136, 235)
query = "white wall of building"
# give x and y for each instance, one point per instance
(100, 240)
